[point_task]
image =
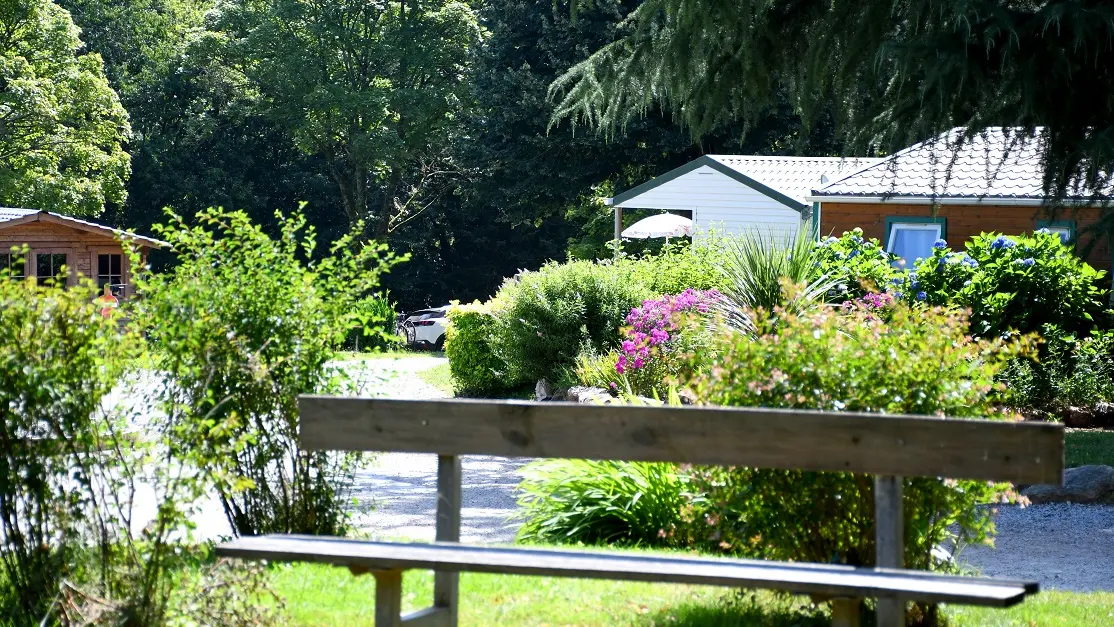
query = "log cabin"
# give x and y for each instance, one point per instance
(86, 248)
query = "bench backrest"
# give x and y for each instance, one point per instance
(1021, 452)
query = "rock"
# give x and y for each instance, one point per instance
(543, 391)
(1101, 415)
(581, 394)
(688, 397)
(1085, 484)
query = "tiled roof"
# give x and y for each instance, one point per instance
(994, 164)
(795, 177)
(8, 213)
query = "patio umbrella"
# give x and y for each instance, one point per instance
(661, 225)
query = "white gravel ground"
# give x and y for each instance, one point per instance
(1064, 546)
(397, 493)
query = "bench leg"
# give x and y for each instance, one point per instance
(845, 612)
(889, 542)
(388, 598)
(446, 584)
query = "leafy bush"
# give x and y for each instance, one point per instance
(547, 317)
(920, 362)
(374, 325)
(599, 502)
(59, 359)
(680, 266)
(241, 327)
(468, 345)
(1018, 283)
(859, 265)
(1070, 372)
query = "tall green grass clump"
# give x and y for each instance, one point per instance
(571, 501)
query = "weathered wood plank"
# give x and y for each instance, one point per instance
(446, 585)
(388, 598)
(812, 579)
(767, 438)
(889, 541)
(429, 617)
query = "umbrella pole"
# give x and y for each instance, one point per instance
(618, 230)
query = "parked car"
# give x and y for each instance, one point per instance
(425, 328)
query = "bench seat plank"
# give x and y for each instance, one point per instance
(814, 579)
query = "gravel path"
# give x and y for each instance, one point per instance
(1065, 547)
(396, 494)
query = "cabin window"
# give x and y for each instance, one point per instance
(49, 266)
(13, 265)
(110, 271)
(1065, 229)
(912, 238)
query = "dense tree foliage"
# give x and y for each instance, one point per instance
(901, 71)
(62, 127)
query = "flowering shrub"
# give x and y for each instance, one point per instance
(877, 305)
(664, 335)
(921, 362)
(859, 264)
(655, 325)
(1011, 283)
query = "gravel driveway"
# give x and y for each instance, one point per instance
(396, 494)
(1066, 547)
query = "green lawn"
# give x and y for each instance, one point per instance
(401, 353)
(1088, 446)
(322, 596)
(440, 378)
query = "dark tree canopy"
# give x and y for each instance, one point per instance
(899, 71)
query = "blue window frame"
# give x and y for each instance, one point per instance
(911, 237)
(1064, 228)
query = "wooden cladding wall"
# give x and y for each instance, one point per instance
(81, 247)
(963, 222)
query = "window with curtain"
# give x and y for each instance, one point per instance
(1063, 231)
(913, 240)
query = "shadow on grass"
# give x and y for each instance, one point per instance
(745, 609)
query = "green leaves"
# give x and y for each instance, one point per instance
(1013, 283)
(242, 325)
(61, 139)
(60, 452)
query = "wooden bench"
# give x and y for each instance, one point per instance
(886, 446)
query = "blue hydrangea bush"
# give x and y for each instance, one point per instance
(860, 264)
(1011, 283)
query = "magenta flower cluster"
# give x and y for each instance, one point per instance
(871, 302)
(650, 327)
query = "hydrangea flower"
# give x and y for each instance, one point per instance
(921, 296)
(940, 243)
(1027, 262)
(1001, 242)
(969, 261)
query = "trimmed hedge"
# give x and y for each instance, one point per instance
(472, 360)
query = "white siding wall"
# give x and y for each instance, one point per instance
(721, 203)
